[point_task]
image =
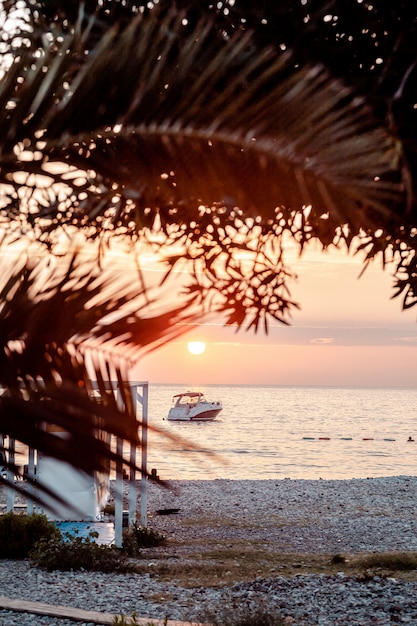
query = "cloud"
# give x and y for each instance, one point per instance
(411, 339)
(322, 340)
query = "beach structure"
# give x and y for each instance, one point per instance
(85, 495)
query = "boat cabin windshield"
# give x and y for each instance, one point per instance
(188, 399)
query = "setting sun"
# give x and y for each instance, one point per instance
(196, 347)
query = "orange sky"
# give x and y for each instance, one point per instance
(349, 332)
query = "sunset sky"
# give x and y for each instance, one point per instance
(349, 332)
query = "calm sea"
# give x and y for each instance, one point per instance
(274, 432)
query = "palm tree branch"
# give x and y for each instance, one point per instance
(307, 111)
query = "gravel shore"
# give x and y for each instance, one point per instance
(286, 516)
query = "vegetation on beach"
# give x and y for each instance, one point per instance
(221, 563)
(137, 537)
(20, 532)
(217, 563)
(246, 566)
(34, 536)
(260, 616)
(213, 563)
(71, 552)
(387, 563)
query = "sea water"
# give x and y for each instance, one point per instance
(268, 432)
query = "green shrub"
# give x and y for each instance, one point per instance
(397, 561)
(259, 616)
(19, 533)
(243, 616)
(75, 553)
(137, 537)
(147, 538)
(337, 559)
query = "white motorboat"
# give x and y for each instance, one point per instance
(192, 406)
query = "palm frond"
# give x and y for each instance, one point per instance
(223, 123)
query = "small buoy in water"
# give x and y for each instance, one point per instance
(346, 438)
(389, 439)
(308, 438)
(368, 439)
(324, 438)
(410, 439)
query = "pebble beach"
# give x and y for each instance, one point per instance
(346, 517)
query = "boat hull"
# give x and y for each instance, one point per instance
(207, 415)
